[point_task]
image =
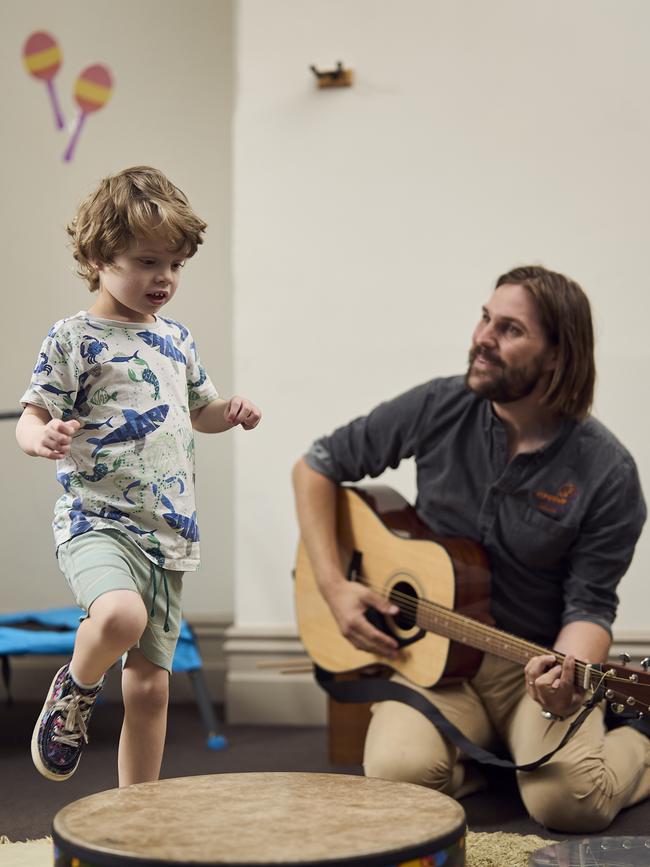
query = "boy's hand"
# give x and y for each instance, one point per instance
(240, 410)
(53, 439)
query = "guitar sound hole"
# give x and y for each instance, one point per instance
(405, 597)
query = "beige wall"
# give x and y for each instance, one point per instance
(371, 222)
(171, 108)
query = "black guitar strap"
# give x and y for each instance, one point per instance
(370, 689)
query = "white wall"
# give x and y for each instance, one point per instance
(371, 222)
(171, 107)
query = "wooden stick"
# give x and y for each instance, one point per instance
(296, 662)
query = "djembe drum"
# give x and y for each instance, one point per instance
(259, 820)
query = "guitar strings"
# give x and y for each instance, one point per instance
(475, 628)
(415, 606)
(469, 627)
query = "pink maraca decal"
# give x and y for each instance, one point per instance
(92, 91)
(42, 58)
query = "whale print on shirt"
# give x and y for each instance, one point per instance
(96, 425)
(164, 345)
(137, 426)
(54, 390)
(183, 330)
(186, 525)
(126, 358)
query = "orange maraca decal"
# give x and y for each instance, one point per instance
(92, 91)
(42, 58)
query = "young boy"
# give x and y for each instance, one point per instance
(113, 399)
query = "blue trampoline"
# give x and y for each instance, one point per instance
(53, 632)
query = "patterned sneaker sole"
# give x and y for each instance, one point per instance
(36, 753)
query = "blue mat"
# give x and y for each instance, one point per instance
(54, 630)
(55, 633)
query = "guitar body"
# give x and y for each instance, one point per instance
(381, 537)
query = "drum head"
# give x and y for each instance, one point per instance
(258, 820)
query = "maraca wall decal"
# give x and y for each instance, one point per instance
(92, 91)
(42, 58)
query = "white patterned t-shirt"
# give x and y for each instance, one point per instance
(131, 464)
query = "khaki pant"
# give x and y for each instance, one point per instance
(580, 789)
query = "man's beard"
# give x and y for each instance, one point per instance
(503, 384)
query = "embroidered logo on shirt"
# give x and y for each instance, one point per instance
(557, 503)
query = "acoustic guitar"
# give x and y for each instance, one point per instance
(442, 590)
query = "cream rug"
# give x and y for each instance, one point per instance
(501, 850)
(483, 850)
(34, 853)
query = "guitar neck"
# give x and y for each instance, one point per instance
(442, 621)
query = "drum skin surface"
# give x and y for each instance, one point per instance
(262, 819)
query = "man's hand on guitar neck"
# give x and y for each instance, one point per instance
(349, 603)
(552, 685)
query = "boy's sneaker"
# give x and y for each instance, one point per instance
(60, 732)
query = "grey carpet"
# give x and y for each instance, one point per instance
(28, 802)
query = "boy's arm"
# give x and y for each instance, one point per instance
(40, 435)
(221, 415)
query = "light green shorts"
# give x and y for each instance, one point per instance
(100, 561)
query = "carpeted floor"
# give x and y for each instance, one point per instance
(28, 802)
(482, 850)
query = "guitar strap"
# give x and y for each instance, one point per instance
(371, 689)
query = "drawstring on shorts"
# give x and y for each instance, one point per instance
(155, 592)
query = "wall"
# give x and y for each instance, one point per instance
(368, 225)
(171, 107)
(371, 222)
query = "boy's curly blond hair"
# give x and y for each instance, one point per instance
(136, 203)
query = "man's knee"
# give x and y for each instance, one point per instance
(410, 767)
(571, 802)
(401, 745)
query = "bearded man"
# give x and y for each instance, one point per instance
(509, 457)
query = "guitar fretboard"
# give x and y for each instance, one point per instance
(450, 624)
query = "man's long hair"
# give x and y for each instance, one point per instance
(565, 316)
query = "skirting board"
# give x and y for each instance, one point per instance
(264, 695)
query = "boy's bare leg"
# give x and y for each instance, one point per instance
(145, 690)
(116, 621)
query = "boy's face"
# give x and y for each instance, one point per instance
(138, 283)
